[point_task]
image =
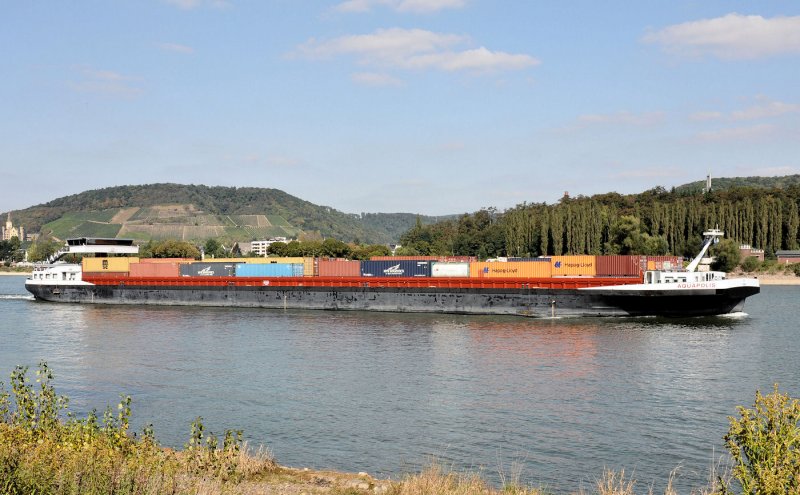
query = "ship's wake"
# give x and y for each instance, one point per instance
(735, 316)
(16, 297)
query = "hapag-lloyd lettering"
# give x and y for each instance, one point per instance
(577, 265)
(505, 270)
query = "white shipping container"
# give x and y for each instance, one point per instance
(449, 269)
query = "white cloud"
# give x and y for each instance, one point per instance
(765, 109)
(736, 133)
(731, 37)
(375, 79)
(413, 6)
(478, 60)
(622, 118)
(385, 46)
(415, 49)
(105, 82)
(175, 47)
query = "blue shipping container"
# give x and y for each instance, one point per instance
(269, 270)
(395, 268)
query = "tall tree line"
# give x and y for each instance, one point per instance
(667, 221)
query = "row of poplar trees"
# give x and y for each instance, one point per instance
(653, 222)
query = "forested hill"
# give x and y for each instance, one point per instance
(197, 211)
(726, 183)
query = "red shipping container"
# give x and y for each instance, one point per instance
(339, 268)
(618, 266)
(155, 270)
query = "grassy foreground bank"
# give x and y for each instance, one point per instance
(44, 449)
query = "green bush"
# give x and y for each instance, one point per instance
(765, 445)
(750, 264)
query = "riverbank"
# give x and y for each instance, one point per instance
(19, 274)
(770, 278)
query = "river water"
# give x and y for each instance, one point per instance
(552, 402)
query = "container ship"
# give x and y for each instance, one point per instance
(550, 287)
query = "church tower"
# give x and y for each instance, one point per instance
(9, 231)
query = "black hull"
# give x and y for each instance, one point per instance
(543, 303)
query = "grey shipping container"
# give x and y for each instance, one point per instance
(208, 269)
(395, 268)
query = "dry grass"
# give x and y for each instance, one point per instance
(436, 481)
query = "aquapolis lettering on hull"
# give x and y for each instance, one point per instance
(698, 285)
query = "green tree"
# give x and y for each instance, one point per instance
(278, 249)
(5, 250)
(10, 250)
(334, 248)
(213, 249)
(294, 249)
(365, 252)
(625, 236)
(654, 245)
(175, 249)
(41, 249)
(726, 254)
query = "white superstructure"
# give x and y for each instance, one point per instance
(58, 272)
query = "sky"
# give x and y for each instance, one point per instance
(424, 106)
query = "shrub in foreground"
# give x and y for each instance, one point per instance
(765, 445)
(43, 454)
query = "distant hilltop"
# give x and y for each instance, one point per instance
(197, 212)
(726, 183)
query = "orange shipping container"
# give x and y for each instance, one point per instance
(328, 268)
(120, 264)
(155, 270)
(573, 266)
(510, 269)
(310, 268)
